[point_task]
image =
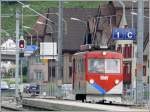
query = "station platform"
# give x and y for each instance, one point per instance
(11, 105)
(65, 105)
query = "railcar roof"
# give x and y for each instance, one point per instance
(84, 52)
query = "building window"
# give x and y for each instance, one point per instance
(39, 75)
(70, 72)
(127, 72)
(127, 53)
(119, 48)
(53, 71)
(130, 51)
(38, 60)
(144, 70)
(148, 80)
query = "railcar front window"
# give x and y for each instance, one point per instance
(104, 65)
(96, 66)
(112, 66)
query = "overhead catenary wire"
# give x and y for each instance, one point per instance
(36, 12)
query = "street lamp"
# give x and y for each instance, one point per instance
(34, 30)
(134, 13)
(81, 21)
(77, 19)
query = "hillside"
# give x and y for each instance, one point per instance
(9, 8)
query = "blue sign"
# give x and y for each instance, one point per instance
(123, 34)
(31, 48)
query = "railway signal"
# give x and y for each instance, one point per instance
(21, 43)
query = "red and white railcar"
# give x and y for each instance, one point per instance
(98, 75)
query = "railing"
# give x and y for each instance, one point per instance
(8, 93)
(52, 90)
(130, 95)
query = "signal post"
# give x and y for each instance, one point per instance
(20, 45)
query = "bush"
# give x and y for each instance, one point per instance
(9, 81)
(25, 79)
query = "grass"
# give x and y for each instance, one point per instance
(9, 23)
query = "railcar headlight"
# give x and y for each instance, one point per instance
(116, 81)
(91, 81)
(104, 53)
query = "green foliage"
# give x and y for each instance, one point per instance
(81, 4)
(9, 81)
(10, 73)
(25, 78)
(25, 70)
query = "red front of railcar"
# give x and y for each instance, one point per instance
(104, 72)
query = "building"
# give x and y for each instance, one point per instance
(38, 69)
(100, 31)
(129, 48)
(74, 32)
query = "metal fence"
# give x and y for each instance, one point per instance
(146, 93)
(8, 93)
(48, 89)
(130, 95)
(52, 90)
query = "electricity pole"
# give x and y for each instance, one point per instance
(140, 36)
(17, 53)
(0, 60)
(149, 58)
(60, 42)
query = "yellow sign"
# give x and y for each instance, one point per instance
(45, 60)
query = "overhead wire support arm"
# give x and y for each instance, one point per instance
(37, 12)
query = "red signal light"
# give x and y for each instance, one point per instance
(21, 44)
